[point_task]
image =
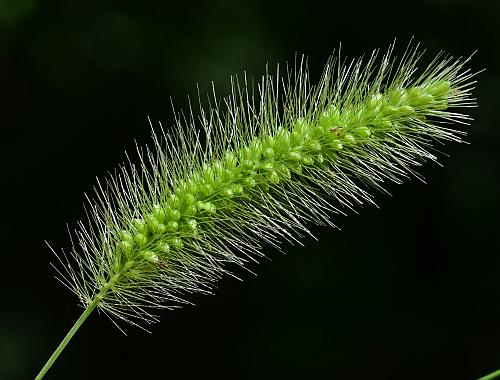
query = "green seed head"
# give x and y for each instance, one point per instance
(273, 177)
(260, 168)
(210, 207)
(363, 132)
(175, 202)
(126, 247)
(172, 225)
(192, 224)
(269, 153)
(140, 226)
(250, 182)
(406, 111)
(349, 138)
(423, 100)
(439, 89)
(237, 189)
(374, 103)
(163, 248)
(337, 144)
(307, 160)
(141, 240)
(177, 243)
(190, 210)
(174, 215)
(159, 213)
(397, 96)
(295, 156)
(149, 256)
(126, 236)
(384, 124)
(390, 110)
(190, 199)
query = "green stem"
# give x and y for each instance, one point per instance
(92, 305)
(68, 336)
(491, 376)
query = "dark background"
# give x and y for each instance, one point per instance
(407, 291)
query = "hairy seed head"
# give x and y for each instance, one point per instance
(259, 170)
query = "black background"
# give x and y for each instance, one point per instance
(407, 291)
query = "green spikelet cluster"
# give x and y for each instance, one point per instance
(261, 169)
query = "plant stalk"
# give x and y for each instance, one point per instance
(68, 337)
(491, 376)
(90, 308)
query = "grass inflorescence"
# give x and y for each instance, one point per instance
(266, 163)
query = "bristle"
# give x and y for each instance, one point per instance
(258, 168)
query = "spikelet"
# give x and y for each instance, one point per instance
(258, 168)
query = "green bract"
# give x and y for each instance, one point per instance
(258, 170)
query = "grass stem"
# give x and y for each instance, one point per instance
(491, 376)
(92, 305)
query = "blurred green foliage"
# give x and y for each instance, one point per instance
(14, 12)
